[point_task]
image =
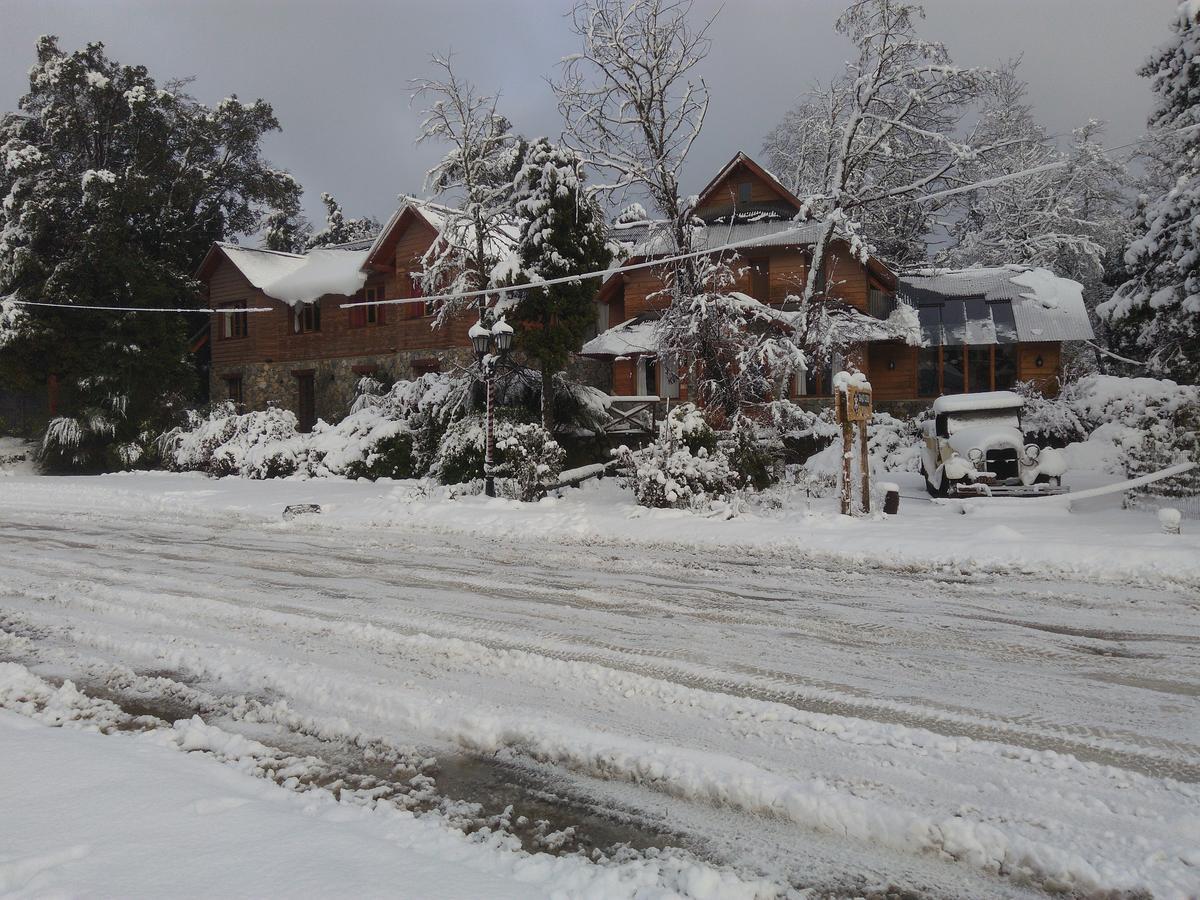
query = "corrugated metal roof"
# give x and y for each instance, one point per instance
(770, 232)
(1044, 306)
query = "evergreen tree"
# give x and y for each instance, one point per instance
(561, 232)
(340, 230)
(1157, 311)
(286, 230)
(113, 189)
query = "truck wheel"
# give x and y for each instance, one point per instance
(929, 485)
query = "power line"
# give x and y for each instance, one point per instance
(661, 261)
(206, 310)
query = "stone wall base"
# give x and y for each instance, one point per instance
(335, 380)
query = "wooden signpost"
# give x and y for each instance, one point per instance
(854, 407)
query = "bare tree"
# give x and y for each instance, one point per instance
(885, 129)
(633, 106)
(477, 174)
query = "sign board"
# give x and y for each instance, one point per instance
(858, 404)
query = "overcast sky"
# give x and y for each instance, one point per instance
(338, 73)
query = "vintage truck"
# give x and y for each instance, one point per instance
(974, 447)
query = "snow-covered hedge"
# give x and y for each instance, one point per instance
(525, 454)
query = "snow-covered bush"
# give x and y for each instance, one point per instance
(460, 453)
(261, 444)
(525, 454)
(685, 425)
(754, 452)
(1134, 425)
(683, 468)
(663, 477)
(265, 444)
(531, 458)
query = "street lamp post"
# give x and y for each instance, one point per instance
(482, 339)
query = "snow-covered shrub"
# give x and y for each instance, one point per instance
(1134, 425)
(531, 458)
(755, 453)
(261, 444)
(685, 425)
(683, 467)
(460, 453)
(664, 476)
(265, 444)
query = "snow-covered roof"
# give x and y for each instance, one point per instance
(769, 232)
(261, 267)
(631, 337)
(1044, 306)
(981, 402)
(300, 278)
(325, 271)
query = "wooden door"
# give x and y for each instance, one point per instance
(306, 401)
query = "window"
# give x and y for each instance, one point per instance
(233, 389)
(425, 367)
(744, 190)
(361, 316)
(308, 317)
(953, 377)
(1006, 366)
(979, 367)
(928, 377)
(233, 321)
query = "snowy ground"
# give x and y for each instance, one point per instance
(783, 696)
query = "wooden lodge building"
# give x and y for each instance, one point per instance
(981, 329)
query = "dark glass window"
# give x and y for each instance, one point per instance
(308, 317)
(744, 190)
(1006, 325)
(927, 372)
(979, 367)
(930, 317)
(1006, 366)
(952, 370)
(954, 322)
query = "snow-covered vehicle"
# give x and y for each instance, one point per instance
(974, 446)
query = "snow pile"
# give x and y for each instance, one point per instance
(295, 278)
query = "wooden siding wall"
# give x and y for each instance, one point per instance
(271, 336)
(901, 383)
(725, 194)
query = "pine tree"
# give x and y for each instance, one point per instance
(340, 230)
(561, 232)
(112, 189)
(1157, 310)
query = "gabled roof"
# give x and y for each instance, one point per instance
(259, 267)
(381, 248)
(741, 158)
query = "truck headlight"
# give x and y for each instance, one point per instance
(975, 455)
(1032, 452)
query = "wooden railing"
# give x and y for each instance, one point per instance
(636, 414)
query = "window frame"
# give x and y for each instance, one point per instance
(235, 323)
(307, 318)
